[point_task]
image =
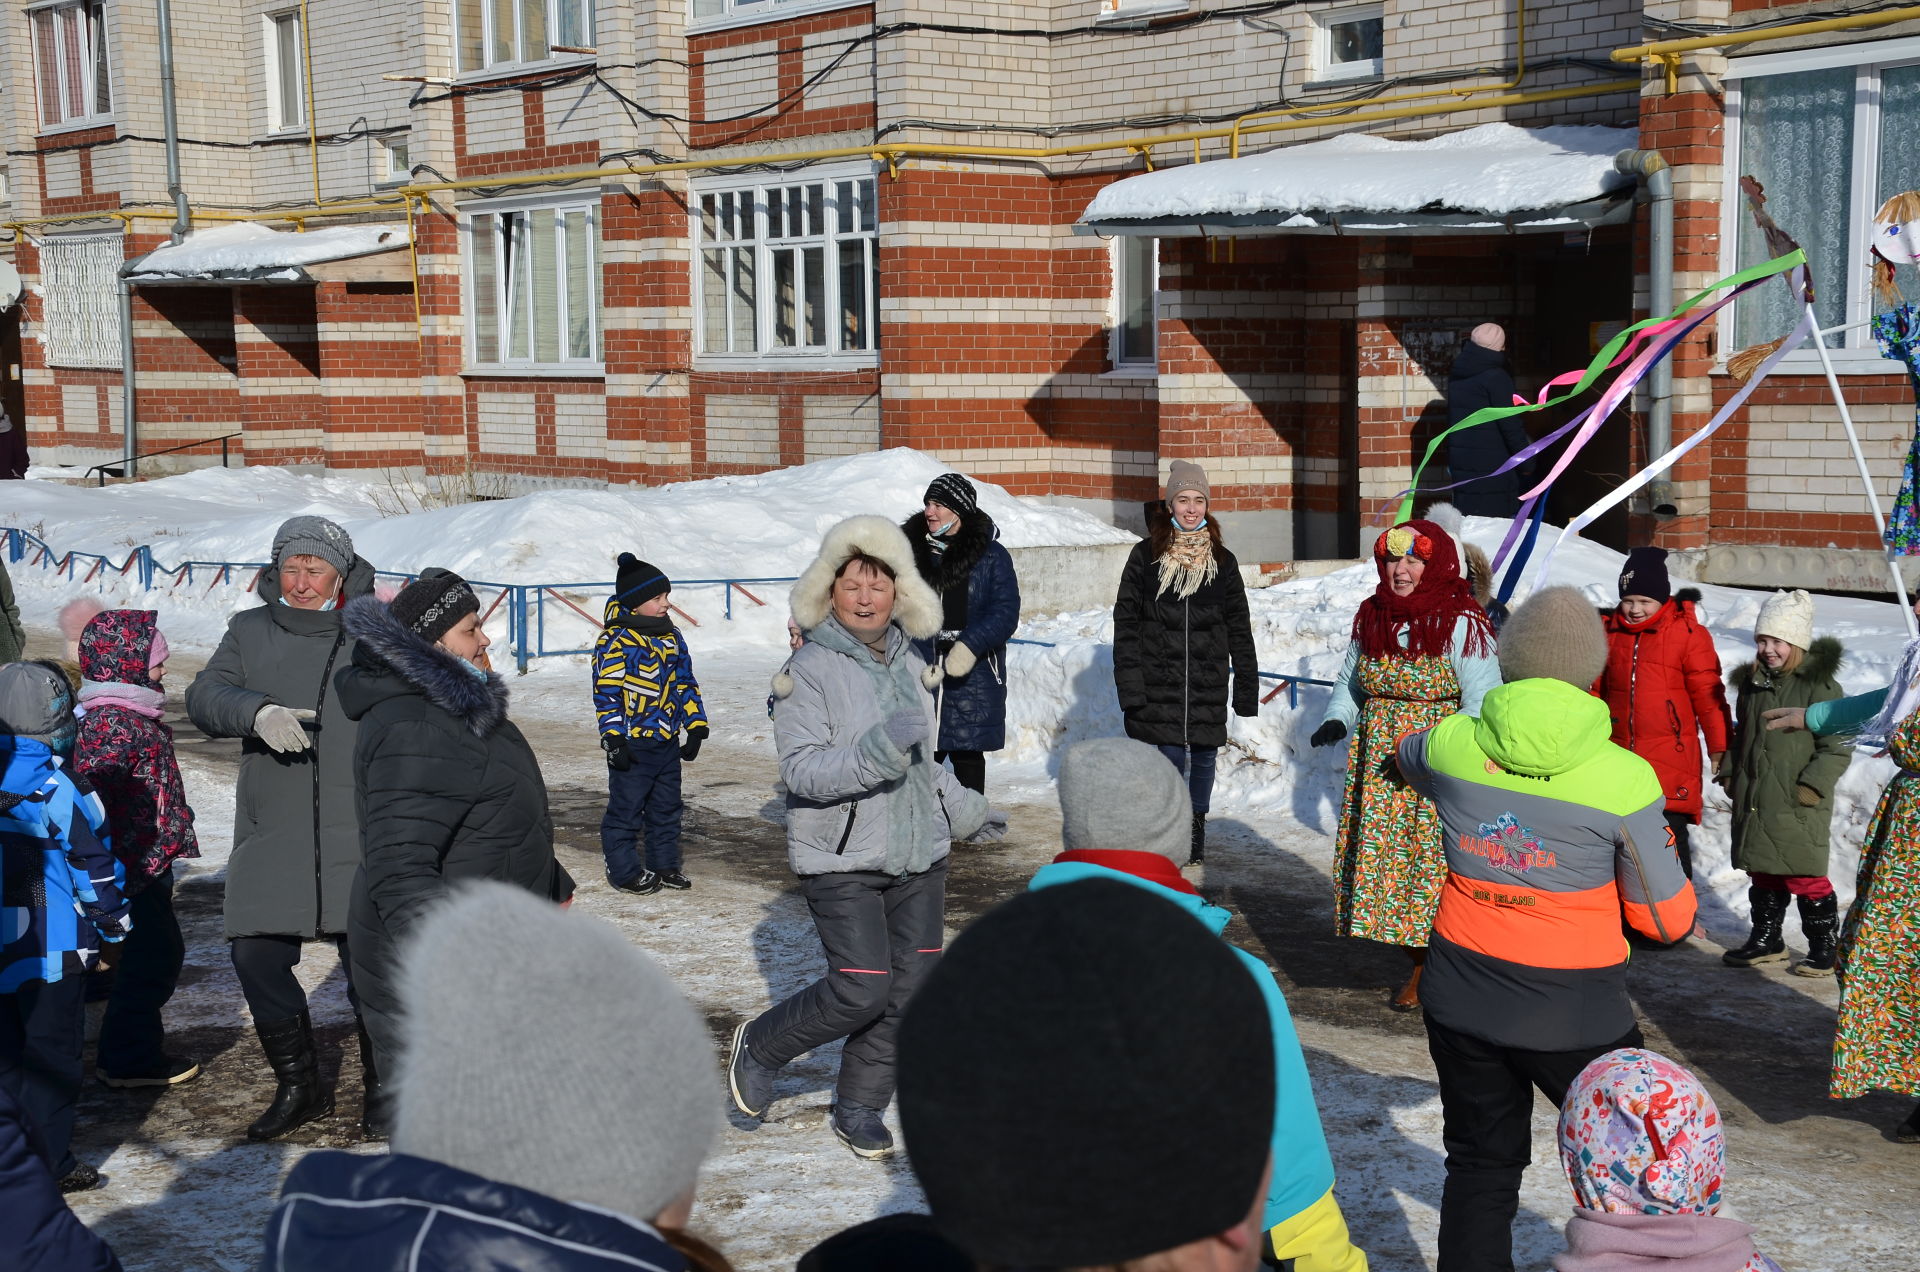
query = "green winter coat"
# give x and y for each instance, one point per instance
(1773, 832)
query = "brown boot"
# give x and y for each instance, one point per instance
(1408, 999)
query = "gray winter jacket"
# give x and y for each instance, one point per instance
(13, 637)
(296, 840)
(854, 801)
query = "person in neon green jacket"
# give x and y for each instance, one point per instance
(1124, 816)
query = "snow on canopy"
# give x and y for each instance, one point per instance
(248, 249)
(1497, 169)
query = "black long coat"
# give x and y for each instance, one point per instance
(980, 599)
(1174, 661)
(1479, 378)
(447, 789)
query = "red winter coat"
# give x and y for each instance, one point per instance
(1662, 688)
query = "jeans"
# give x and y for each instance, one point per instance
(1196, 765)
(645, 795)
(969, 768)
(881, 934)
(42, 1032)
(132, 1036)
(1486, 1106)
(265, 966)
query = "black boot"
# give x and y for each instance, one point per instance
(1764, 945)
(375, 1115)
(301, 1097)
(1820, 921)
(1198, 853)
(1908, 1132)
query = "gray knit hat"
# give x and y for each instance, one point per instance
(1182, 475)
(36, 701)
(1119, 793)
(1554, 635)
(540, 1049)
(314, 537)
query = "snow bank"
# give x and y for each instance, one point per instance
(252, 250)
(1497, 169)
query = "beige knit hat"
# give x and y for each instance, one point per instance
(1554, 635)
(1787, 616)
(1182, 475)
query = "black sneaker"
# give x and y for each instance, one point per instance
(80, 1179)
(644, 884)
(675, 880)
(172, 1071)
(860, 1129)
(749, 1081)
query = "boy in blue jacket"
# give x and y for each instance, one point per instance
(645, 695)
(61, 900)
(1125, 815)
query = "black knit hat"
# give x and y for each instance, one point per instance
(431, 604)
(636, 582)
(1645, 574)
(951, 490)
(1121, 1038)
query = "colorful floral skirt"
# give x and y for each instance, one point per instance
(1389, 864)
(1876, 1042)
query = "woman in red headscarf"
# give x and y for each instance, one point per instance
(1422, 650)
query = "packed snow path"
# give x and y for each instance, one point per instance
(185, 1190)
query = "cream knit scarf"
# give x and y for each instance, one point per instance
(1187, 563)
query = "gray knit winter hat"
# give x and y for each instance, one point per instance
(36, 701)
(314, 537)
(1119, 793)
(540, 1049)
(1554, 635)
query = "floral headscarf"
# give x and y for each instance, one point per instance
(1434, 608)
(1640, 1135)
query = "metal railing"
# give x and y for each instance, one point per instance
(121, 468)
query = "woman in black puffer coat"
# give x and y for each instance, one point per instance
(1182, 639)
(448, 788)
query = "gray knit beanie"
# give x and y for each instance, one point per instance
(1119, 793)
(1554, 635)
(1182, 475)
(540, 1049)
(314, 537)
(36, 701)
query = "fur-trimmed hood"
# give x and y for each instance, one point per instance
(916, 606)
(1821, 662)
(953, 567)
(389, 660)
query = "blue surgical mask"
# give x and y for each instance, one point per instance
(328, 604)
(477, 672)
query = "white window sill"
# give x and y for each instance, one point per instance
(751, 364)
(286, 132)
(1344, 76)
(539, 370)
(514, 70)
(1132, 371)
(1845, 362)
(77, 125)
(762, 13)
(1145, 9)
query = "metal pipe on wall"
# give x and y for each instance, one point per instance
(1651, 167)
(182, 218)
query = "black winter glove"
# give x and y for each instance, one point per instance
(690, 749)
(619, 758)
(1390, 768)
(1328, 733)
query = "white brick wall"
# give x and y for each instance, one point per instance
(743, 429)
(506, 424)
(580, 425)
(80, 407)
(840, 425)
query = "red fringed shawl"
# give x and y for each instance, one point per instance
(1431, 612)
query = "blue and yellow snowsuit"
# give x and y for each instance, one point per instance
(645, 694)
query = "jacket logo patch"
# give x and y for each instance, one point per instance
(1507, 844)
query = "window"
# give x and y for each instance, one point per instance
(712, 13)
(286, 72)
(1121, 10)
(535, 287)
(80, 279)
(1349, 42)
(788, 269)
(1825, 134)
(494, 33)
(70, 58)
(1136, 278)
(394, 164)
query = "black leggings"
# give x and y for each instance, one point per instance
(265, 966)
(969, 768)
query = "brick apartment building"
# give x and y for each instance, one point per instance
(653, 242)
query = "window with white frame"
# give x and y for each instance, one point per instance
(534, 287)
(709, 13)
(286, 71)
(787, 267)
(395, 167)
(1827, 133)
(1115, 10)
(80, 281)
(1349, 42)
(494, 34)
(1136, 280)
(70, 63)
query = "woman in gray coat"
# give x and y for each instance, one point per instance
(870, 816)
(296, 841)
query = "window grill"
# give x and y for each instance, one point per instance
(80, 282)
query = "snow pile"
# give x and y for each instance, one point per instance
(1497, 169)
(248, 249)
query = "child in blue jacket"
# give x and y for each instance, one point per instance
(645, 696)
(61, 900)
(1125, 815)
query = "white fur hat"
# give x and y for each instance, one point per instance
(916, 605)
(1787, 616)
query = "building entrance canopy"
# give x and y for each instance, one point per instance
(249, 252)
(1493, 179)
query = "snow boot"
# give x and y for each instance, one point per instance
(375, 1115)
(301, 1097)
(748, 1081)
(860, 1129)
(1198, 852)
(1820, 921)
(1765, 944)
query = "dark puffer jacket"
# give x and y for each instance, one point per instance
(396, 1213)
(1479, 378)
(1171, 658)
(447, 789)
(1773, 832)
(39, 1234)
(296, 842)
(1662, 690)
(981, 598)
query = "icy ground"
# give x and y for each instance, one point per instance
(1818, 1178)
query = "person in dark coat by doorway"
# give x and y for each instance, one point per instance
(956, 548)
(1478, 379)
(447, 787)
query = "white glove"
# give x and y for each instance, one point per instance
(279, 727)
(992, 830)
(959, 661)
